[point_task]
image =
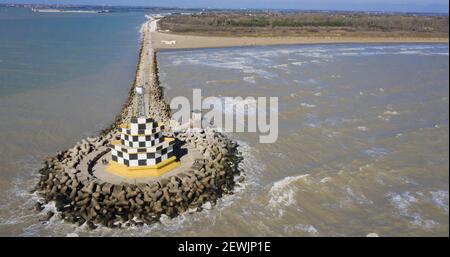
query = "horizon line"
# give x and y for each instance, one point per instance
(446, 11)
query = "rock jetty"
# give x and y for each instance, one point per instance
(67, 180)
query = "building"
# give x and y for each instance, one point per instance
(142, 150)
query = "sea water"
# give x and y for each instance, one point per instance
(363, 129)
(363, 138)
(63, 76)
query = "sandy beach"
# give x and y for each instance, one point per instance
(164, 41)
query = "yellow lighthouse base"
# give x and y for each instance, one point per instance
(142, 171)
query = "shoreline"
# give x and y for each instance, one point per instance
(186, 42)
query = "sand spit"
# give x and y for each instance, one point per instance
(177, 41)
(68, 179)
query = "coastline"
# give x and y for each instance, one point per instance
(265, 207)
(320, 80)
(195, 42)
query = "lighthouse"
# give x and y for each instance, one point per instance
(142, 150)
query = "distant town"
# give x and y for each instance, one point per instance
(177, 10)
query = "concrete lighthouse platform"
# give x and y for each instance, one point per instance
(100, 168)
(84, 191)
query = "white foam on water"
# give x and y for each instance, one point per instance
(358, 198)
(316, 55)
(352, 49)
(251, 166)
(362, 128)
(313, 81)
(310, 229)
(404, 204)
(331, 122)
(325, 180)
(172, 225)
(282, 193)
(250, 79)
(424, 223)
(335, 76)
(50, 206)
(440, 199)
(349, 54)
(402, 50)
(300, 63)
(376, 152)
(186, 61)
(406, 180)
(30, 219)
(279, 155)
(260, 72)
(293, 95)
(409, 52)
(307, 82)
(18, 200)
(281, 66)
(242, 62)
(388, 112)
(308, 105)
(387, 119)
(402, 201)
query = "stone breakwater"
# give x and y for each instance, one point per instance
(82, 198)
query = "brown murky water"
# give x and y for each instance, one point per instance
(62, 77)
(363, 137)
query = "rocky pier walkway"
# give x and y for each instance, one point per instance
(71, 179)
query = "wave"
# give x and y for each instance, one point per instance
(305, 105)
(310, 229)
(282, 193)
(250, 79)
(440, 199)
(404, 204)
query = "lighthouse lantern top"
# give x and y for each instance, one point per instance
(139, 90)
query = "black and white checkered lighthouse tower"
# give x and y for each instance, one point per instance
(142, 149)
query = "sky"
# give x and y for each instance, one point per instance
(440, 6)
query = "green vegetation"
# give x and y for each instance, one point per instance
(306, 23)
